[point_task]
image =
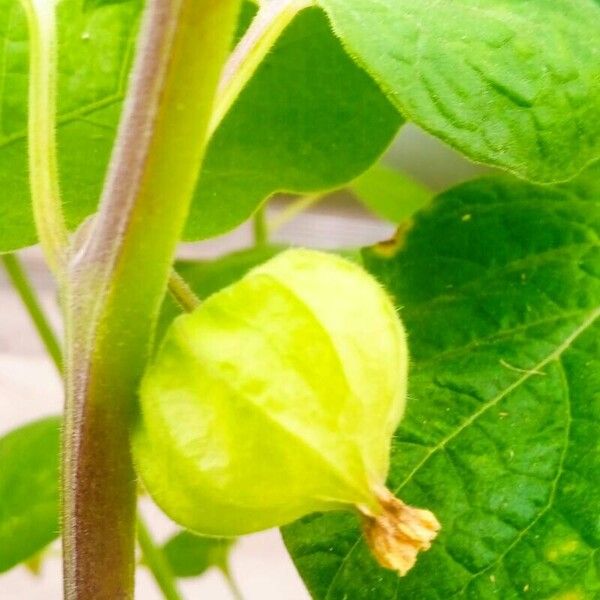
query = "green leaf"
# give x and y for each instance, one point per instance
(390, 194)
(499, 288)
(287, 131)
(309, 120)
(509, 83)
(94, 55)
(191, 555)
(28, 491)
(248, 11)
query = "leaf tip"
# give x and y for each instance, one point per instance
(399, 532)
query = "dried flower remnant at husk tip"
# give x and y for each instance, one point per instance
(278, 397)
(399, 533)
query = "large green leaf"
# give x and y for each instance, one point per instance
(309, 120)
(499, 288)
(28, 491)
(94, 54)
(511, 83)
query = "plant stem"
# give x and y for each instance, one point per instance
(43, 169)
(153, 555)
(292, 210)
(261, 230)
(270, 22)
(118, 279)
(26, 292)
(155, 560)
(182, 292)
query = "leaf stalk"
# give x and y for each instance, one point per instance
(156, 561)
(26, 292)
(268, 24)
(183, 293)
(43, 165)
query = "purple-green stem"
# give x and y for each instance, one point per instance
(117, 278)
(113, 275)
(153, 556)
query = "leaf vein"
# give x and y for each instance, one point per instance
(553, 487)
(554, 355)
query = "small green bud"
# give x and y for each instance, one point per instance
(279, 397)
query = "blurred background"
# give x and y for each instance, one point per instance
(30, 387)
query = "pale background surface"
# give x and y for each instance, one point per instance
(30, 387)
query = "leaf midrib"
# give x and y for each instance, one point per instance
(554, 355)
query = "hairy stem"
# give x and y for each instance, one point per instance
(26, 292)
(154, 557)
(270, 22)
(118, 278)
(182, 292)
(155, 560)
(43, 169)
